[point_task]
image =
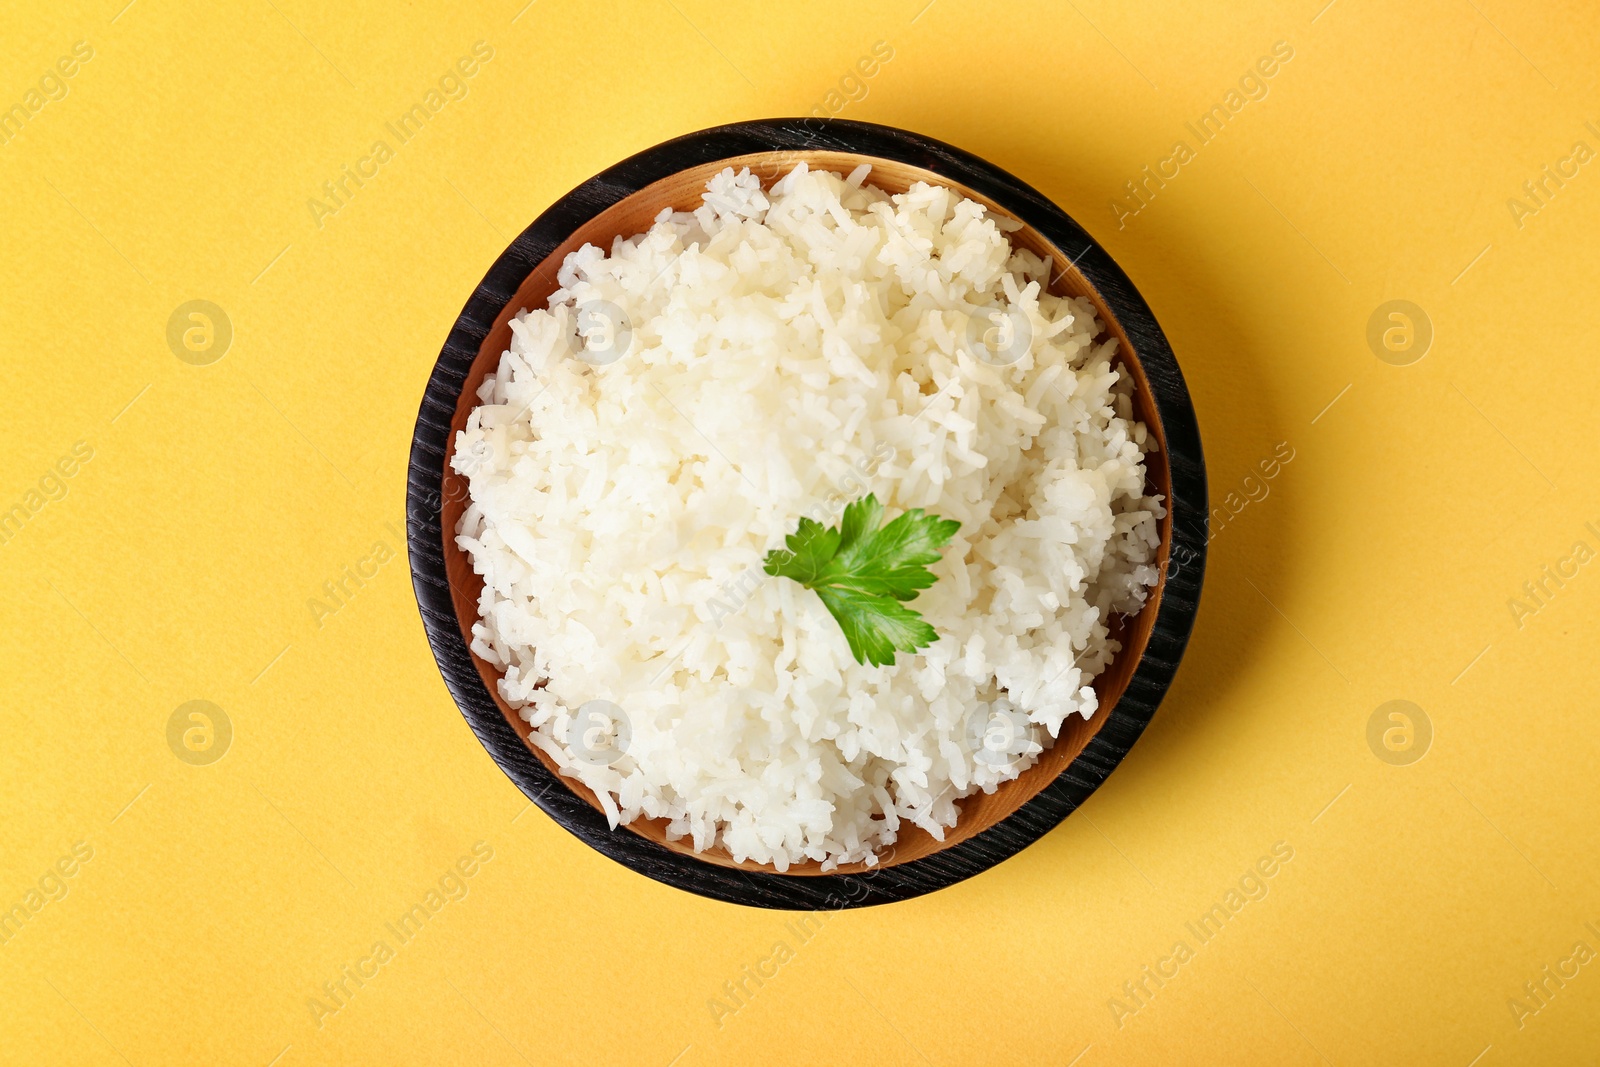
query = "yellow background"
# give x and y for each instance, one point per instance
(1379, 567)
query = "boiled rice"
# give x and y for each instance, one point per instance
(663, 424)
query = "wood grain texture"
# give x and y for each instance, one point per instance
(622, 201)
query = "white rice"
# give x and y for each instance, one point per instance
(683, 401)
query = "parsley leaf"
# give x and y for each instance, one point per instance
(862, 572)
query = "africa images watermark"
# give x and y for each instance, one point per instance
(1252, 87)
(199, 732)
(52, 86)
(1538, 191)
(1140, 991)
(452, 85)
(199, 332)
(337, 592)
(1541, 991)
(1399, 333)
(451, 887)
(1253, 488)
(51, 487)
(53, 885)
(852, 86)
(1399, 732)
(1539, 591)
(739, 991)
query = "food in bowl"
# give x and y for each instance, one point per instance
(789, 371)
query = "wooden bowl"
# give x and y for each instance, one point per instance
(623, 201)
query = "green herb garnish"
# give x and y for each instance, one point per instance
(862, 573)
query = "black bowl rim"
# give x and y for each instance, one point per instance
(1133, 711)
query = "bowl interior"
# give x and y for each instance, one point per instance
(634, 214)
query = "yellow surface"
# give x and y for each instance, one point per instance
(178, 560)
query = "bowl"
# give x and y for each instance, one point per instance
(624, 200)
